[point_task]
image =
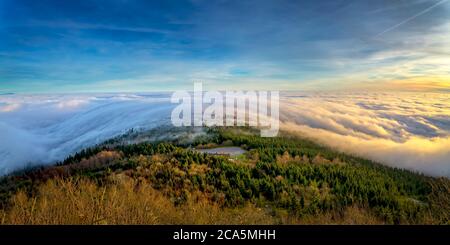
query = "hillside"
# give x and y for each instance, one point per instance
(281, 180)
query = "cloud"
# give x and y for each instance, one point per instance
(71, 104)
(47, 128)
(406, 130)
(79, 25)
(8, 107)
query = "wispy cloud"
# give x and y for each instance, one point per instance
(68, 24)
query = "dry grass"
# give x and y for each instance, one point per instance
(351, 215)
(83, 202)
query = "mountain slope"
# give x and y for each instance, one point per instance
(281, 180)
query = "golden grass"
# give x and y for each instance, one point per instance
(351, 215)
(83, 202)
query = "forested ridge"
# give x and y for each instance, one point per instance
(280, 180)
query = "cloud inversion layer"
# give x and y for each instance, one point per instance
(407, 130)
(44, 129)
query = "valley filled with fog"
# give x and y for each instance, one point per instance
(407, 130)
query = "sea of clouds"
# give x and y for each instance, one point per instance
(407, 130)
(41, 129)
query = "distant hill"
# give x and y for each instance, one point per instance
(143, 178)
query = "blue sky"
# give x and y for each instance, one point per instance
(114, 46)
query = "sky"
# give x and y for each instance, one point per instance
(134, 46)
